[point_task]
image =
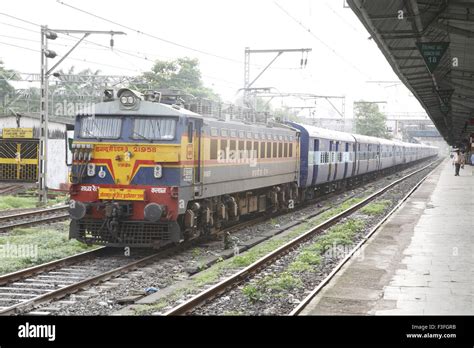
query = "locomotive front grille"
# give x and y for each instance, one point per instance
(129, 233)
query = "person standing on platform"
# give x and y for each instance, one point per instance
(458, 161)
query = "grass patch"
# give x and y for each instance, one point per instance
(14, 202)
(305, 261)
(196, 252)
(26, 247)
(252, 292)
(283, 282)
(206, 277)
(255, 253)
(338, 235)
(28, 202)
(299, 267)
(376, 208)
(145, 309)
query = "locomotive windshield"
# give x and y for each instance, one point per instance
(100, 127)
(154, 128)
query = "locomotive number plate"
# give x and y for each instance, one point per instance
(121, 194)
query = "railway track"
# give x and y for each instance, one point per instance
(35, 217)
(217, 290)
(21, 291)
(9, 189)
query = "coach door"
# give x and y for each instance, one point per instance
(19, 160)
(330, 161)
(317, 161)
(345, 159)
(195, 139)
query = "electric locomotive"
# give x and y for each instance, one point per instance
(146, 173)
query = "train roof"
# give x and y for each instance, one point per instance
(147, 108)
(324, 133)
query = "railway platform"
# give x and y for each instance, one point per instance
(419, 262)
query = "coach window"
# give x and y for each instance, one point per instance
(232, 145)
(248, 148)
(241, 149)
(262, 149)
(241, 134)
(275, 149)
(224, 132)
(214, 132)
(223, 148)
(280, 150)
(291, 149)
(213, 149)
(255, 150)
(286, 150)
(269, 149)
(233, 133)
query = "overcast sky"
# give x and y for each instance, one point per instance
(342, 60)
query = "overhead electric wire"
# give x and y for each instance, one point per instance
(308, 30)
(163, 39)
(106, 48)
(149, 35)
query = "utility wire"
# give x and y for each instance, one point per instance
(321, 41)
(147, 34)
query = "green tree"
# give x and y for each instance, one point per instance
(6, 89)
(370, 121)
(182, 73)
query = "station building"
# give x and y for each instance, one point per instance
(19, 149)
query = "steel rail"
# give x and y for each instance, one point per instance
(69, 289)
(374, 229)
(24, 219)
(243, 274)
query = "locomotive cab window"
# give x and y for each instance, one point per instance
(154, 128)
(101, 127)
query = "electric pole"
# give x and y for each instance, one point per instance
(52, 34)
(279, 52)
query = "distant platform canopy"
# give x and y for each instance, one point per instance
(430, 46)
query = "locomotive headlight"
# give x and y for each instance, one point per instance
(158, 171)
(127, 100)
